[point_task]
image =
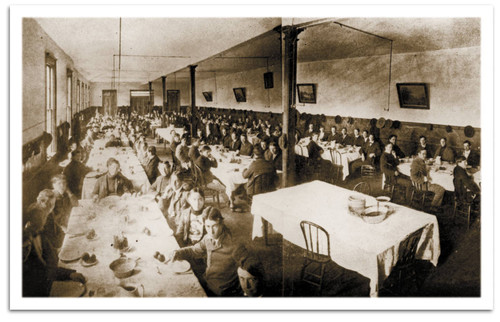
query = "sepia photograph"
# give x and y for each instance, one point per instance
(142, 175)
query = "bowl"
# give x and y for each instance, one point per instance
(123, 267)
(374, 214)
(356, 205)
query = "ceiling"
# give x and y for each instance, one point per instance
(227, 45)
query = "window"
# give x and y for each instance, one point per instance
(69, 98)
(50, 100)
(78, 95)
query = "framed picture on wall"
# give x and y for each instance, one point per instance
(239, 94)
(208, 96)
(307, 93)
(413, 95)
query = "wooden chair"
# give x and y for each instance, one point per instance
(421, 198)
(363, 187)
(464, 208)
(265, 182)
(367, 170)
(396, 192)
(199, 181)
(404, 271)
(317, 241)
(336, 172)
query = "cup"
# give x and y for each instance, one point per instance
(135, 290)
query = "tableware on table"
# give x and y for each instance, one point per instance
(120, 242)
(123, 266)
(356, 205)
(67, 289)
(375, 214)
(179, 267)
(92, 235)
(88, 260)
(133, 289)
(70, 254)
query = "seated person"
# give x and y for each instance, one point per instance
(263, 145)
(444, 152)
(75, 172)
(314, 150)
(389, 167)
(310, 130)
(392, 139)
(113, 142)
(422, 145)
(151, 164)
(420, 175)
(471, 156)
(161, 183)
(218, 246)
(246, 147)
(463, 182)
(112, 182)
(191, 228)
(205, 162)
(259, 167)
(194, 151)
(200, 135)
(250, 272)
(182, 152)
(143, 154)
(175, 197)
(345, 139)
(65, 201)
(225, 138)
(40, 260)
(235, 144)
(358, 140)
(322, 136)
(334, 136)
(76, 147)
(369, 153)
(176, 140)
(273, 154)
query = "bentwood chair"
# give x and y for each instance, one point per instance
(421, 198)
(396, 192)
(404, 274)
(363, 187)
(336, 173)
(316, 255)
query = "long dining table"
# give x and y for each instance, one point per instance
(369, 249)
(165, 132)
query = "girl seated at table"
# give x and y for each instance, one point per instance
(191, 227)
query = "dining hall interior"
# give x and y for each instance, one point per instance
(239, 157)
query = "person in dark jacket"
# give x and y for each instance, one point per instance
(161, 183)
(112, 182)
(334, 136)
(472, 157)
(399, 153)
(40, 260)
(389, 167)
(258, 167)
(445, 152)
(225, 138)
(273, 154)
(75, 172)
(358, 140)
(151, 164)
(235, 144)
(345, 139)
(218, 246)
(422, 145)
(246, 147)
(194, 151)
(462, 181)
(65, 201)
(420, 174)
(191, 227)
(113, 142)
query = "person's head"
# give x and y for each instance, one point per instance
(257, 152)
(45, 202)
(73, 146)
(250, 272)
(461, 161)
(422, 154)
(184, 138)
(214, 224)
(467, 145)
(365, 133)
(112, 137)
(371, 137)
(165, 169)
(195, 142)
(334, 130)
(388, 148)
(273, 148)
(393, 138)
(321, 129)
(263, 145)
(311, 127)
(196, 199)
(224, 131)
(233, 135)
(344, 131)
(243, 138)
(423, 140)
(199, 132)
(356, 132)
(152, 150)
(76, 155)
(113, 166)
(442, 142)
(205, 151)
(314, 136)
(59, 183)
(177, 138)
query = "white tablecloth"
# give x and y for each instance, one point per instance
(158, 278)
(164, 132)
(444, 178)
(129, 165)
(369, 249)
(347, 154)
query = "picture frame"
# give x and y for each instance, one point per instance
(240, 94)
(268, 80)
(413, 95)
(208, 96)
(307, 93)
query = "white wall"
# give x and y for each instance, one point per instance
(36, 43)
(123, 92)
(357, 87)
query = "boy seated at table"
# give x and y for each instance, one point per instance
(161, 183)
(205, 162)
(259, 166)
(175, 198)
(246, 147)
(191, 224)
(463, 182)
(112, 182)
(419, 174)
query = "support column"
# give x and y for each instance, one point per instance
(151, 98)
(164, 101)
(192, 72)
(289, 81)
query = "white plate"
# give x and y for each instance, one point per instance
(69, 254)
(85, 264)
(179, 267)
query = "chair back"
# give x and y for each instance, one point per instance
(367, 170)
(408, 247)
(317, 241)
(198, 178)
(336, 157)
(420, 186)
(363, 187)
(264, 182)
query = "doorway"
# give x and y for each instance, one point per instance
(173, 100)
(109, 101)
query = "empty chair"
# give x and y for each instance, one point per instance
(316, 255)
(396, 192)
(363, 187)
(336, 168)
(421, 197)
(367, 170)
(265, 182)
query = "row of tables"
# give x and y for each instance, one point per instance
(137, 218)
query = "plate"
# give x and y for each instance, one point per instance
(69, 254)
(179, 267)
(67, 289)
(86, 264)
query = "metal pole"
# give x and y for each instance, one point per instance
(192, 72)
